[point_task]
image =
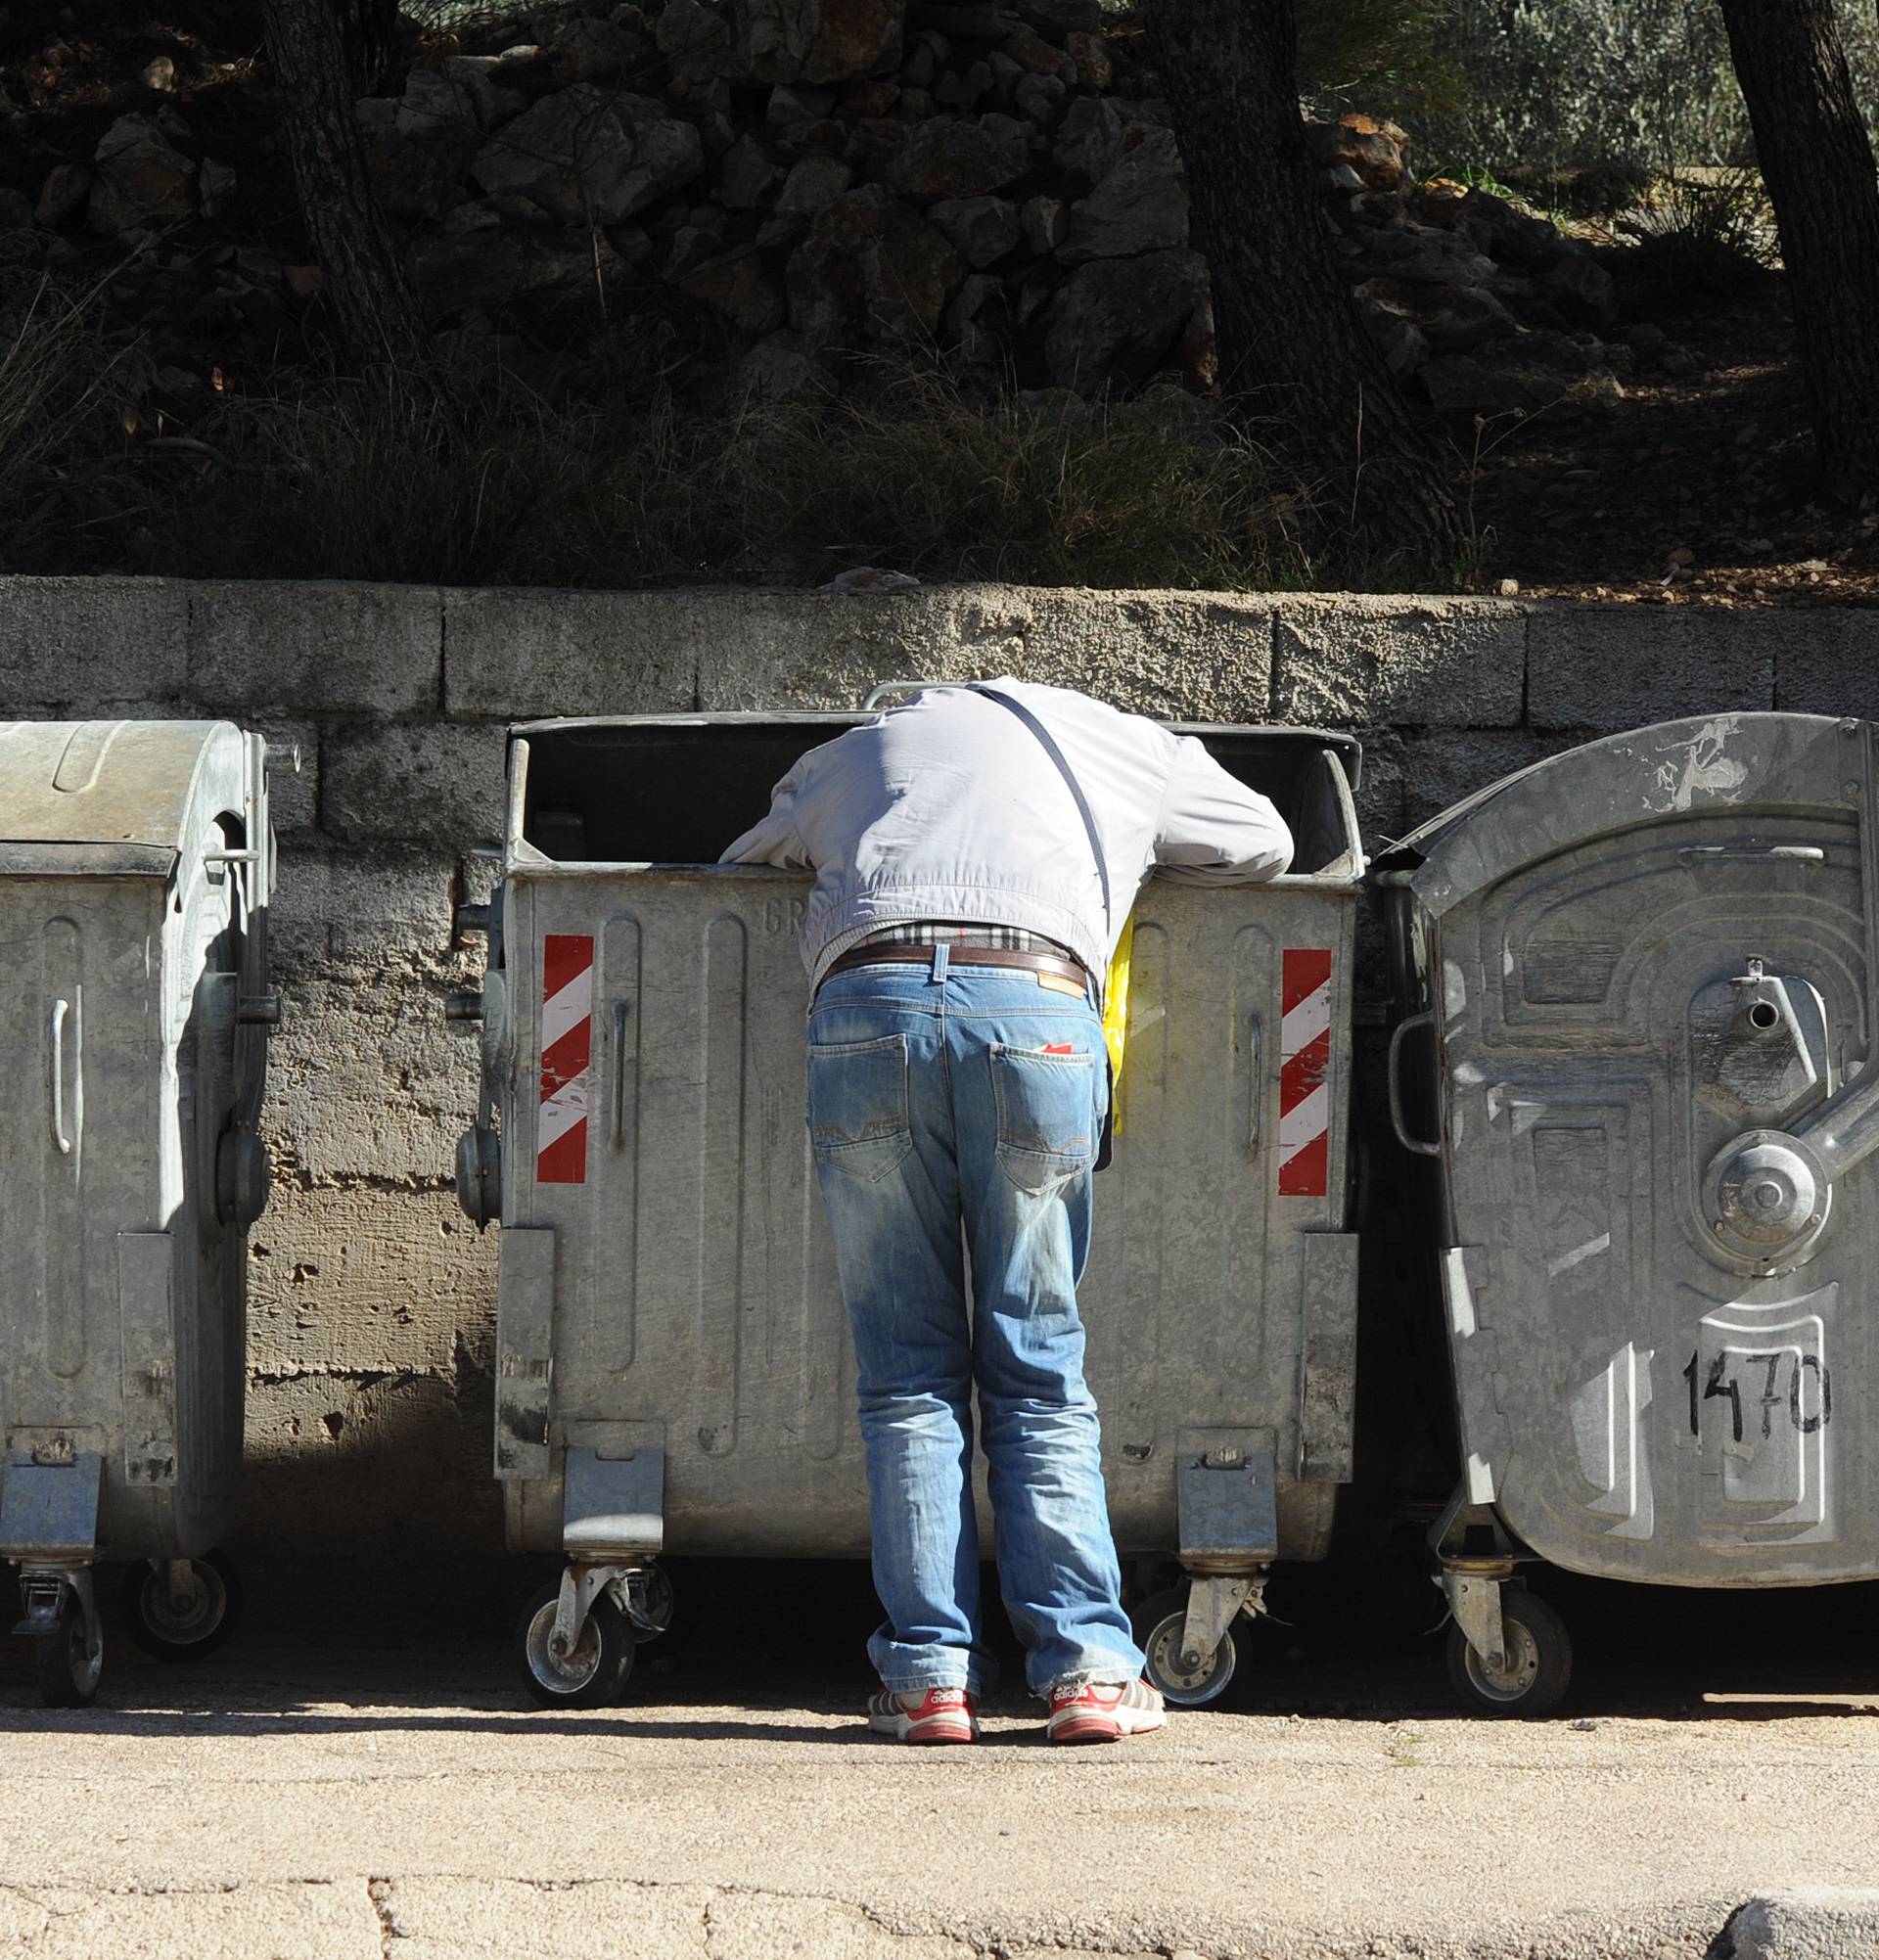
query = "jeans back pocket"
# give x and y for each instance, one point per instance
(1048, 1113)
(858, 1120)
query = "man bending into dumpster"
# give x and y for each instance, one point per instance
(976, 852)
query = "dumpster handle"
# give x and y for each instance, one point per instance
(1396, 1123)
(1256, 1046)
(60, 1009)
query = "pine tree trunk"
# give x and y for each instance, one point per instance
(1818, 163)
(364, 282)
(1294, 359)
(368, 32)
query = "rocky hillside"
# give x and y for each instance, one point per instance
(795, 183)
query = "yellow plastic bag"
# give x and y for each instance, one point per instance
(1115, 1017)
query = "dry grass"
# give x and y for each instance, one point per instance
(338, 480)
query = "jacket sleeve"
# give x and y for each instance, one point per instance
(1213, 830)
(776, 839)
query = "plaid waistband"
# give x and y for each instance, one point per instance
(940, 933)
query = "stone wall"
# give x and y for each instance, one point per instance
(372, 1299)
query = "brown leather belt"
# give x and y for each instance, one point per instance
(904, 953)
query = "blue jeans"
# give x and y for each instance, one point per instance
(954, 1112)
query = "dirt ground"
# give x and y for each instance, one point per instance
(356, 1774)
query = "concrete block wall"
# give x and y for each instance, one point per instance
(372, 1299)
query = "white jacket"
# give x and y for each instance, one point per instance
(947, 807)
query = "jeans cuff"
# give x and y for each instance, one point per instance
(919, 1684)
(1100, 1677)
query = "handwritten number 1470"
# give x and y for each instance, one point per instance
(1720, 1385)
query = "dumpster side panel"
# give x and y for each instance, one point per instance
(696, 1305)
(1643, 1408)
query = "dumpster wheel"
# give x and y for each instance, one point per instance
(1539, 1664)
(1158, 1622)
(594, 1673)
(186, 1621)
(70, 1658)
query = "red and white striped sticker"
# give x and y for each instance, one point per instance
(1304, 1060)
(567, 1051)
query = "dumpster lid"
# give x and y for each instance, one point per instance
(99, 782)
(1694, 767)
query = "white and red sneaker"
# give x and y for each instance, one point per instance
(1104, 1710)
(932, 1714)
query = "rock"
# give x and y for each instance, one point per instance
(783, 368)
(1428, 257)
(417, 163)
(871, 579)
(1060, 17)
(1646, 337)
(588, 50)
(812, 184)
(160, 72)
(483, 270)
(1115, 320)
(1493, 225)
(735, 285)
(1342, 177)
(474, 75)
(62, 196)
(15, 211)
(792, 110)
(819, 40)
(1029, 49)
(1040, 99)
(591, 154)
(1094, 69)
(1139, 206)
(964, 89)
(871, 270)
(1373, 153)
(1678, 363)
(216, 185)
(1521, 376)
(869, 98)
(141, 179)
(1581, 289)
(1089, 141)
(699, 40)
(981, 22)
(1046, 222)
(747, 176)
(433, 105)
(983, 230)
(1452, 319)
(972, 318)
(1398, 340)
(948, 158)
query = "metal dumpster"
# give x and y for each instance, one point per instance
(673, 1366)
(1639, 1039)
(135, 867)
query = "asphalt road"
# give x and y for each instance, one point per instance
(358, 1778)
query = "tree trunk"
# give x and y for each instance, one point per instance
(1818, 164)
(1295, 357)
(368, 31)
(364, 281)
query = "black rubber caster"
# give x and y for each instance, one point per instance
(187, 1623)
(654, 1596)
(1539, 1662)
(1158, 1624)
(593, 1676)
(70, 1658)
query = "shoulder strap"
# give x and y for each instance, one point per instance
(1049, 744)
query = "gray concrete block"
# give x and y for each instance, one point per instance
(1828, 662)
(350, 914)
(366, 1078)
(524, 654)
(77, 642)
(1443, 767)
(1380, 789)
(369, 1278)
(1454, 662)
(368, 1464)
(1818, 1922)
(1188, 657)
(426, 783)
(1602, 668)
(316, 647)
(293, 794)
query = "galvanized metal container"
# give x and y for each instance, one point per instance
(135, 868)
(1638, 983)
(673, 1367)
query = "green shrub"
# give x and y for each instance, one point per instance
(1698, 237)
